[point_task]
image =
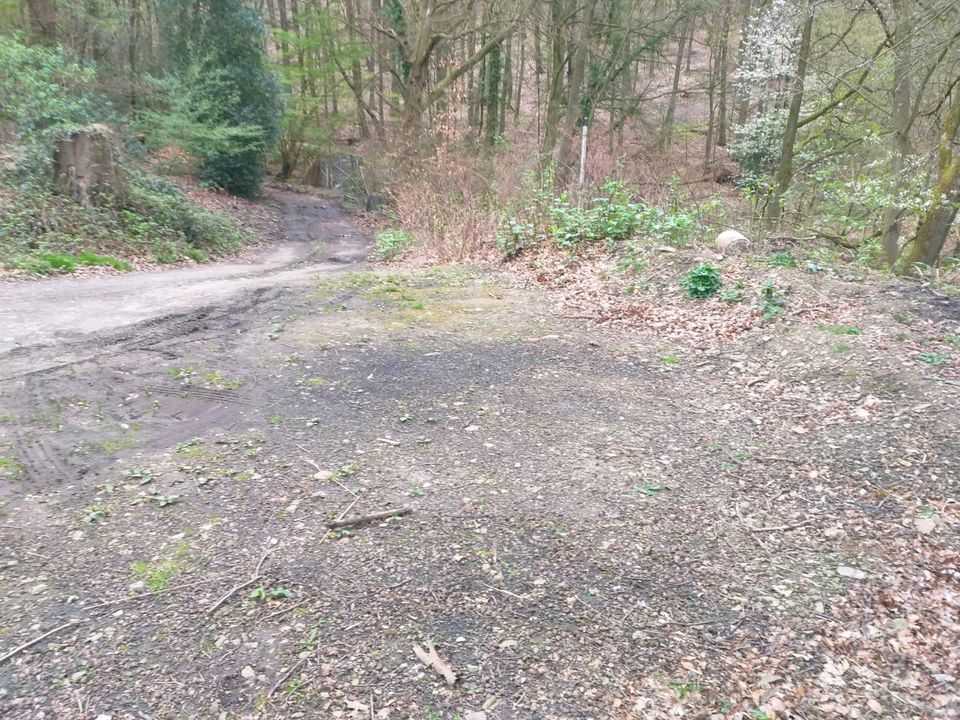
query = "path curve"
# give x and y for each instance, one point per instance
(316, 237)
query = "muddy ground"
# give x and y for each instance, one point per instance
(601, 527)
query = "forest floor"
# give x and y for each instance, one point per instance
(608, 521)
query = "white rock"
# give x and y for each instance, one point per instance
(730, 241)
(476, 715)
(925, 525)
(850, 572)
(248, 672)
(323, 475)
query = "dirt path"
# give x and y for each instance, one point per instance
(768, 531)
(315, 237)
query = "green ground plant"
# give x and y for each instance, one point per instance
(613, 217)
(702, 282)
(44, 233)
(393, 244)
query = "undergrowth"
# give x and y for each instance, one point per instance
(614, 217)
(44, 233)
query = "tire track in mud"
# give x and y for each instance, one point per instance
(81, 403)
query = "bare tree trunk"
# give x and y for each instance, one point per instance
(901, 94)
(506, 86)
(575, 88)
(492, 95)
(667, 132)
(785, 169)
(355, 69)
(743, 92)
(285, 28)
(521, 67)
(931, 234)
(711, 94)
(558, 57)
(43, 19)
(722, 60)
(375, 7)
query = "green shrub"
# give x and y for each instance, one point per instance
(673, 228)
(773, 303)
(570, 226)
(42, 233)
(614, 218)
(228, 155)
(161, 211)
(225, 72)
(515, 236)
(43, 92)
(392, 243)
(757, 146)
(45, 87)
(702, 282)
(783, 260)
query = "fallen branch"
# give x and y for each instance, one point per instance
(505, 592)
(430, 658)
(955, 383)
(31, 643)
(229, 594)
(236, 588)
(775, 458)
(781, 528)
(263, 558)
(286, 609)
(372, 517)
(347, 509)
(286, 676)
(747, 527)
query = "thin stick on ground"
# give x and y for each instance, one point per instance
(308, 461)
(372, 517)
(316, 467)
(776, 458)
(286, 676)
(505, 592)
(236, 588)
(286, 609)
(349, 507)
(30, 643)
(229, 594)
(749, 530)
(263, 559)
(781, 528)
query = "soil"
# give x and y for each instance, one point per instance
(605, 523)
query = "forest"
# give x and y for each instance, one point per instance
(833, 123)
(479, 359)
